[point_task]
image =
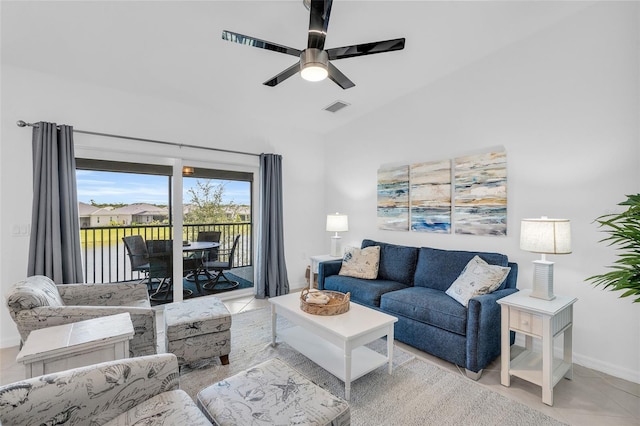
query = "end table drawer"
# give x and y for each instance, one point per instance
(525, 322)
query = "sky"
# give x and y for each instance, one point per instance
(129, 188)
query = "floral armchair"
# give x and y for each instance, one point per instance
(138, 391)
(37, 302)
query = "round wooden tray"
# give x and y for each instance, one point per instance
(338, 303)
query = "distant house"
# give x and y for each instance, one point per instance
(85, 211)
(242, 212)
(138, 213)
(232, 213)
(92, 216)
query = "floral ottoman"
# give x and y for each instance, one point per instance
(271, 393)
(197, 330)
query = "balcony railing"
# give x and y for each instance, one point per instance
(105, 258)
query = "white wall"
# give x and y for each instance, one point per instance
(33, 96)
(564, 105)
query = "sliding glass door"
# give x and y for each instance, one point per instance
(119, 199)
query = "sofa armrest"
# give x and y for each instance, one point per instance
(89, 395)
(330, 267)
(483, 329)
(112, 294)
(143, 319)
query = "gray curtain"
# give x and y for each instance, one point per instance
(272, 271)
(54, 249)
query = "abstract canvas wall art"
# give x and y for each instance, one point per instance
(431, 197)
(481, 194)
(393, 198)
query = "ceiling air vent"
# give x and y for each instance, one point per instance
(336, 106)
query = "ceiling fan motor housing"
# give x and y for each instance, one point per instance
(314, 64)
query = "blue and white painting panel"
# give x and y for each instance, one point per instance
(431, 197)
(481, 194)
(393, 198)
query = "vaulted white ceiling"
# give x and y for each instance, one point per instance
(173, 49)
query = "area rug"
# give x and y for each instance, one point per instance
(417, 393)
(221, 288)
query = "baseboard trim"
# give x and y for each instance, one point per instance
(589, 362)
(8, 342)
(607, 368)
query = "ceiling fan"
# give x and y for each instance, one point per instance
(314, 63)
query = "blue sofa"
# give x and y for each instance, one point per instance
(411, 286)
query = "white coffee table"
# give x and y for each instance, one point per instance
(77, 344)
(335, 342)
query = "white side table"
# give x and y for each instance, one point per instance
(77, 344)
(315, 262)
(543, 319)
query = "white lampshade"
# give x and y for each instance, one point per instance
(337, 222)
(545, 235)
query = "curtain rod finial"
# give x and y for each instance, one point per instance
(21, 123)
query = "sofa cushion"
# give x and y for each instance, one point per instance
(438, 269)
(170, 408)
(361, 263)
(427, 305)
(364, 292)
(33, 292)
(397, 263)
(477, 278)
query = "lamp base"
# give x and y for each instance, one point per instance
(542, 280)
(335, 246)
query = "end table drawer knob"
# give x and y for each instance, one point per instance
(526, 322)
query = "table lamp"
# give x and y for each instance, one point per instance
(545, 236)
(337, 223)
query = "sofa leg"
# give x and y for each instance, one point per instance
(224, 359)
(472, 375)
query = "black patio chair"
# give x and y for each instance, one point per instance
(218, 267)
(210, 255)
(211, 237)
(161, 268)
(138, 256)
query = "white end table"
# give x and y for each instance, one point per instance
(77, 344)
(315, 262)
(544, 319)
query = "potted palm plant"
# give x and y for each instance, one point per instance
(624, 233)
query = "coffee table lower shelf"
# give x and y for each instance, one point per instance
(331, 357)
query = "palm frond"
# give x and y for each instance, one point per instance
(623, 231)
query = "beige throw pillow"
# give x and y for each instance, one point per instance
(477, 278)
(361, 263)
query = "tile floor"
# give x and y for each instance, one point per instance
(591, 398)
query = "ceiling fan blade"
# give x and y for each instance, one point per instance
(366, 49)
(256, 42)
(318, 23)
(340, 79)
(292, 70)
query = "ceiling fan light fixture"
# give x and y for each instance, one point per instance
(314, 64)
(314, 72)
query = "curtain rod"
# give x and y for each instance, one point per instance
(22, 123)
